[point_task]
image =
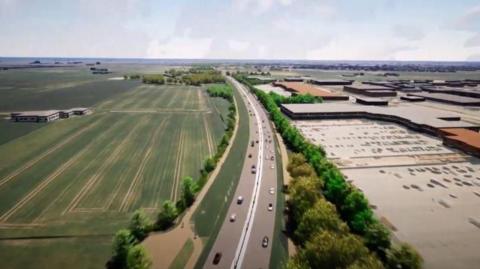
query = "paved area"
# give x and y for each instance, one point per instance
(427, 193)
(240, 241)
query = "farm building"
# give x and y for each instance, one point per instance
(35, 116)
(47, 115)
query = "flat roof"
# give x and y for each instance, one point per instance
(469, 137)
(367, 87)
(419, 115)
(42, 113)
(302, 87)
(448, 97)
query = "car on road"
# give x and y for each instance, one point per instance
(272, 158)
(240, 200)
(265, 241)
(233, 217)
(271, 190)
(250, 155)
(217, 258)
(254, 169)
(252, 143)
(270, 207)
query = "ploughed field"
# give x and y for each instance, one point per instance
(83, 177)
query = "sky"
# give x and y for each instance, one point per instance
(430, 30)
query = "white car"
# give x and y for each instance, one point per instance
(272, 190)
(233, 217)
(240, 200)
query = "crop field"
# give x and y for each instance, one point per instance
(85, 176)
(56, 89)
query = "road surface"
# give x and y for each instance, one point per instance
(240, 241)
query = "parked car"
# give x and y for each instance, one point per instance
(217, 258)
(270, 207)
(265, 242)
(233, 217)
(240, 200)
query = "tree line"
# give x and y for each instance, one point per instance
(330, 234)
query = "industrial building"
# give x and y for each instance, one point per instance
(466, 140)
(371, 101)
(304, 88)
(410, 98)
(331, 82)
(449, 98)
(371, 90)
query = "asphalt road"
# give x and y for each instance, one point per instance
(240, 241)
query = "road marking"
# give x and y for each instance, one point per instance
(244, 238)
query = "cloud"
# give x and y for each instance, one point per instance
(238, 45)
(259, 6)
(408, 32)
(473, 41)
(470, 20)
(474, 57)
(180, 47)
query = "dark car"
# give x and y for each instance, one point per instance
(265, 242)
(252, 144)
(250, 155)
(217, 258)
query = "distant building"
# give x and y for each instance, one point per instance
(371, 90)
(47, 115)
(35, 116)
(331, 82)
(294, 79)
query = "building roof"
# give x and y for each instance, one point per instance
(305, 88)
(366, 87)
(448, 98)
(418, 115)
(466, 136)
(43, 113)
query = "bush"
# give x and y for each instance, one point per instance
(377, 239)
(153, 79)
(404, 257)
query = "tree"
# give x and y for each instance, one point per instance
(403, 257)
(321, 217)
(332, 250)
(137, 258)
(123, 241)
(140, 224)
(189, 188)
(377, 238)
(303, 195)
(167, 216)
(209, 165)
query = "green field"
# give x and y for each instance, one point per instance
(81, 178)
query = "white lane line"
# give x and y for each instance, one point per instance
(241, 248)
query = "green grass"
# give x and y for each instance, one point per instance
(12, 130)
(56, 253)
(210, 214)
(182, 257)
(85, 176)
